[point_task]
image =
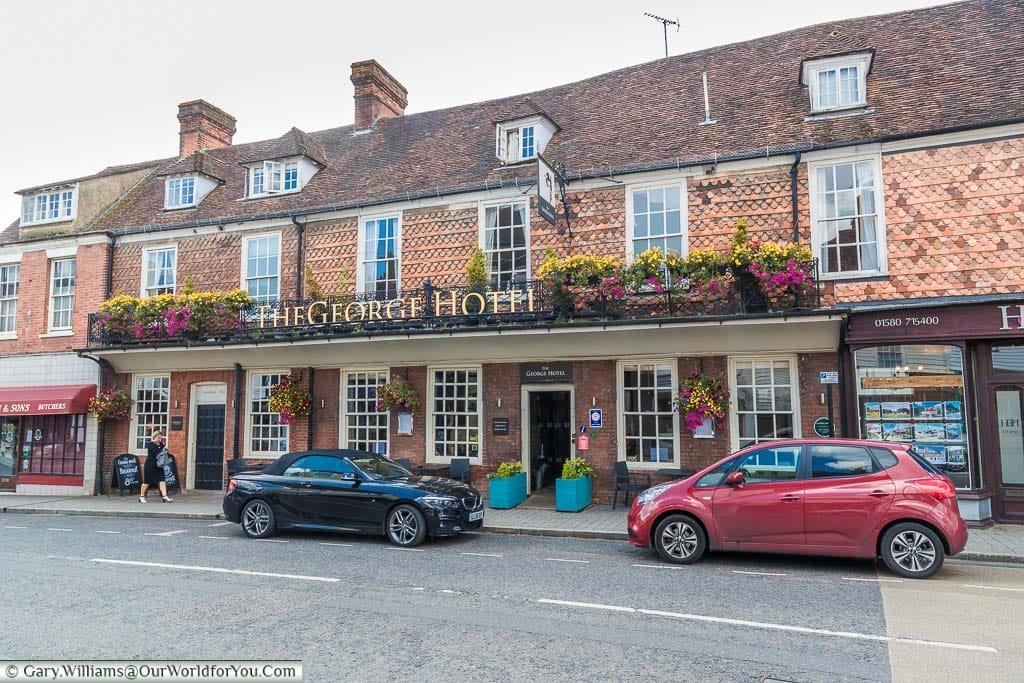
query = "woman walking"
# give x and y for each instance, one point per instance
(152, 472)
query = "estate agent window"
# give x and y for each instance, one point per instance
(649, 424)
(9, 280)
(380, 272)
(849, 224)
(765, 400)
(159, 271)
(267, 436)
(364, 428)
(506, 244)
(455, 413)
(656, 220)
(62, 293)
(261, 267)
(152, 394)
(920, 402)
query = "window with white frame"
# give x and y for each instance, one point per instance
(649, 424)
(159, 270)
(849, 225)
(837, 82)
(380, 251)
(506, 243)
(267, 436)
(9, 280)
(364, 427)
(516, 144)
(455, 412)
(656, 220)
(766, 399)
(152, 394)
(273, 177)
(180, 192)
(48, 207)
(62, 293)
(261, 267)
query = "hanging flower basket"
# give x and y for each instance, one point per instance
(290, 400)
(701, 397)
(111, 404)
(397, 393)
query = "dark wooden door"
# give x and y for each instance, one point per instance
(210, 447)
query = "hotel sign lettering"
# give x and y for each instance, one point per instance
(545, 372)
(441, 304)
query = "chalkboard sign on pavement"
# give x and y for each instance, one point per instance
(171, 475)
(127, 474)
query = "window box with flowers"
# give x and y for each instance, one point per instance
(506, 486)
(111, 404)
(701, 402)
(186, 316)
(770, 276)
(290, 400)
(566, 278)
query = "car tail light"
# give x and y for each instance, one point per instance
(939, 488)
(232, 485)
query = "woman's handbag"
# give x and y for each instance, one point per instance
(163, 458)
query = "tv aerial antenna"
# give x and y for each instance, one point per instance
(665, 23)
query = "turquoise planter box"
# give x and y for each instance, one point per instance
(508, 492)
(572, 495)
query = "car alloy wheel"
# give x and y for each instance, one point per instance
(912, 550)
(406, 526)
(258, 519)
(680, 539)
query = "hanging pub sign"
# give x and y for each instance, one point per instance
(545, 372)
(547, 182)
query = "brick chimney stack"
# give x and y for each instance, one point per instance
(377, 93)
(203, 126)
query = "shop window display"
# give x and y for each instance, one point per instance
(920, 402)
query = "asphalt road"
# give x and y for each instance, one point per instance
(491, 607)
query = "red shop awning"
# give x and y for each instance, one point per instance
(46, 400)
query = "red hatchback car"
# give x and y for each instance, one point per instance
(837, 497)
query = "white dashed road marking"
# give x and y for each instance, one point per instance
(167, 533)
(854, 578)
(272, 540)
(773, 627)
(558, 559)
(994, 588)
(340, 545)
(657, 566)
(218, 570)
(740, 571)
(107, 532)
(409, 550)
(482, 554)
(48, 529)
(15, 527)
(219, 538)
(220, 524)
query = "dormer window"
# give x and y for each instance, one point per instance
(274, 177)
(522, 139)
(180, 192)
(48, 207)
(837, 83)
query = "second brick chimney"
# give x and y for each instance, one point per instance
(203, 126)
(377, 93)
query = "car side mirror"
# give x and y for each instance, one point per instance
(734, 478)
(350, 476)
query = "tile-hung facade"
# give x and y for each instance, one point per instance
(353, 245)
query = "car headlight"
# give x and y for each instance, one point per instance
(650, 494)
(441, 502)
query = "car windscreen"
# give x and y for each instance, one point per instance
(378, 467)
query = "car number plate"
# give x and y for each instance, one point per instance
(476, 516)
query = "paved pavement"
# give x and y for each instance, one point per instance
(1001, 543)
(492, 607)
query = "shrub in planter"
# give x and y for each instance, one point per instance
(564, 276)
(574, 489)
(654, 271)
(506, 486)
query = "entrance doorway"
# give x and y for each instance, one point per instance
(207, 436)
(547, 426)
(9, 430)
(1008, 461)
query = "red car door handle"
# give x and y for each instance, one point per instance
(878, 494)
(789, 498)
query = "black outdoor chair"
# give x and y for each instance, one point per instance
(404, 462)
(458, 468)
(628, 482)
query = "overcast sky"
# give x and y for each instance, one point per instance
(97, 83)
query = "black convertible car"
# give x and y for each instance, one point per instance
(350, 491)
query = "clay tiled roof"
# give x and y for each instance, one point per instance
(934, 69)
(108, 171)
(200, 162)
